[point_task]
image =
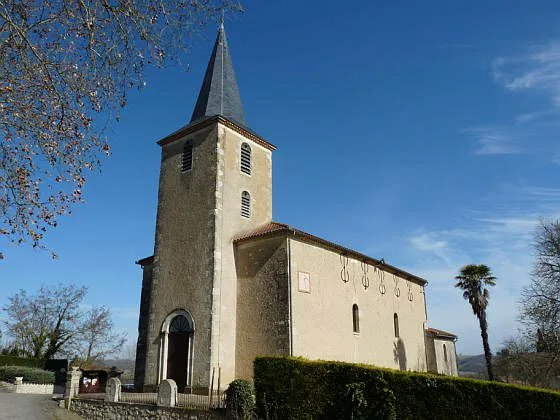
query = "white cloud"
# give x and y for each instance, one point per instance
(537, 70)
(430, 243)
(426, 242)
(542, 192)
(495, 141)
(500, 239)
(536, 132)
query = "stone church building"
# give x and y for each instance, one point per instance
(226, 283)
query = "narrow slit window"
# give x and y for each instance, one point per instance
(355, 318)
(187, 157)
(245, 204)
(246, 158)
(444, 353)
(396, 325)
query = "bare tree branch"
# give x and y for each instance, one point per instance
(65, 69)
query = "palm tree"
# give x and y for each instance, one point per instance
(471, 279)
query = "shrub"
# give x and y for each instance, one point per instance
(30, 375)
(240, 400)
(295, 388)
(6, 360)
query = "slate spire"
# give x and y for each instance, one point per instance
(219, 94)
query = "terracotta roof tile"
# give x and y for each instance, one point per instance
(261, 231)
(440, 333)
(275, 227)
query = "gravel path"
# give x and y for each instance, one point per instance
(32, 407)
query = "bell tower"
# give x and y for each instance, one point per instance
(215, 182)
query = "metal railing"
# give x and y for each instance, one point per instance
(201, 402)
(192, 401)
(139, 397)
(91, 396)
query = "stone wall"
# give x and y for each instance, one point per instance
(33, 388)
(102, 410)
(263, 317)
(324, 287)
(445, 356)
(431, 354)
(183, 264)
(198, 214)
(21, 388)
(230, 184)
(142, 344)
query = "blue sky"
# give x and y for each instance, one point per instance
(422, 133)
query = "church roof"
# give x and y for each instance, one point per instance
(440, 333)
(219, 94)
(274, 228)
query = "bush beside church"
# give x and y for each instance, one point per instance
(295, 388)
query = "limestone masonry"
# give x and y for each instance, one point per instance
(226, 283)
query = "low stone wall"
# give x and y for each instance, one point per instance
(20, 388)
(33, 389)
(6, 386)
(103, 410)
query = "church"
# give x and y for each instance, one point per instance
(226, 283)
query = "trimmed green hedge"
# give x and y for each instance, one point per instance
(295, 388)
(21, 361)
(240, 400)
(30, 375)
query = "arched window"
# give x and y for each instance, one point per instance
(246, 158)
(187, 157)
(355, 318)
(180, 324)
(396, 325)
(245, 204)
(444, 353)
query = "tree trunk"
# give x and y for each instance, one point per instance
(487, 352)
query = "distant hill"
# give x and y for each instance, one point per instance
(472, 366)
(125, 364)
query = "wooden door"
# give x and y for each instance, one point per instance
(177, 356)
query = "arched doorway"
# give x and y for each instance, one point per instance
(177, 349)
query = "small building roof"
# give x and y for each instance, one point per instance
(274, 228)
(146, 261)
(101, 368)
(440, 333)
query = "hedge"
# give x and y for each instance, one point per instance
(30, 374)
(295, 388)
(240, 400)
(6, 360)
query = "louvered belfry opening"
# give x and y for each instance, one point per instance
(245, 204)
(246, 158)
(187, 157)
